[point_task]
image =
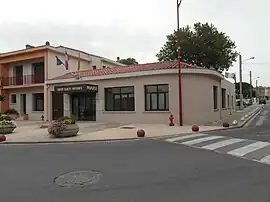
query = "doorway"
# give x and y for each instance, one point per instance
(84, 106)
(57, 105)
(23, 104)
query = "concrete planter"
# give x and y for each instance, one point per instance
(69, 131)
(13, 116)
(7, 128)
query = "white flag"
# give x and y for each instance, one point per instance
(230, 75)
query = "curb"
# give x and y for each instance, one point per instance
(129, 139)
(257, 111)
(70, 141)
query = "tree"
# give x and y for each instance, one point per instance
(2, 98)
(127, 61)
(203, 45)
(245, 90)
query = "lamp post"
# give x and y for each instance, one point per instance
(257, 92)
(179, 70)
(240, 79)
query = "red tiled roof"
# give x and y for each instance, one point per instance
(126, 69)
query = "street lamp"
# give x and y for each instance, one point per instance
(240, 79)
(179, 70)
(257, 88)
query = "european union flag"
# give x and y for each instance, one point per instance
(58, 61)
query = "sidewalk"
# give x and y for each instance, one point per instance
(95, 131)
(22, 135)
(237, 115)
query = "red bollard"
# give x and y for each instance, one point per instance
(195, 128)
(171, 118)
(3, 138)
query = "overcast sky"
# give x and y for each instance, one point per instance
(138, 29)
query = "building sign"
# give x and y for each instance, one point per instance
(77, 88)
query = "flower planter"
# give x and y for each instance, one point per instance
(7, 128)
(69, 130)
(13, 116)
(25, 117)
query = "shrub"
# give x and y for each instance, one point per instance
(6, 120)
(12, 111)
(67, 120)
(56, 127)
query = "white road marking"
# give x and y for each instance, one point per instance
(222, 143)
(265, 112)
(261, 120)
(204, 139)
(185, 137)
(248, 148)
(265, 159)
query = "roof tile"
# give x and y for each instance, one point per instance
(126, 69)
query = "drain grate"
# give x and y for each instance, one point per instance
(78, 179)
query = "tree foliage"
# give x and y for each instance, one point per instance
(245, 90)
(2, 98)
(127, 61)
(203, 45)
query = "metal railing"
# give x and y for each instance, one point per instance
(22, 80)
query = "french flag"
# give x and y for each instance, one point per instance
(66, 60)
(59, 62)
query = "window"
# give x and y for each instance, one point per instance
(215, 97)
(94, 67)
(228, 101)
(156, 97)
(119, 99)
(38, 102)
(13, 99)
(223, 98)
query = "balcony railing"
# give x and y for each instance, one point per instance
(22, 80)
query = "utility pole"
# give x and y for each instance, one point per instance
(179, 70)
(240, 83)
(250, 88)
(257, 93)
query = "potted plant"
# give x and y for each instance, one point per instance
(63, 127)
(12, 113)
(7, 125)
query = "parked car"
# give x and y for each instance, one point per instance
(262, 101)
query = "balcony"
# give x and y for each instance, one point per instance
(22, 80)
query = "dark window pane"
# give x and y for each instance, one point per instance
(163, 88)
(127, 90)
(148, 102)
(119, 99)
(151, 89)
(154, 101)
(116, 90)
(108, 99)
(38, 102)
(161, 101)
(157, 97)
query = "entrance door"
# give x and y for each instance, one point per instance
(57, 105)
(84, 106)
(23, 104)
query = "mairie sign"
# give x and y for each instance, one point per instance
(76, 88)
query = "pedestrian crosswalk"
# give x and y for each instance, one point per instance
(249, 149)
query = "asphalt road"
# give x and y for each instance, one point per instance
(257, 129)
(134, 171)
